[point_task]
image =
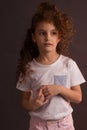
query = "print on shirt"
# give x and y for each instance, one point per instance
(60, 79)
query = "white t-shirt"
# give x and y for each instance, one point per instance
(62, 72)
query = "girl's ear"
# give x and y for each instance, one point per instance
(33, 38)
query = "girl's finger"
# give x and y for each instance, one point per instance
(40, 94)
(30, 94)
(45, 101)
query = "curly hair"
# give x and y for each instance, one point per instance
(49, 13)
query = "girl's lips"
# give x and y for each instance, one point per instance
(48, 44)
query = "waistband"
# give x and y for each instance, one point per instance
(51, 121)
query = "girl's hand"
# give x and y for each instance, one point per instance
(38, 101)
(50, 90)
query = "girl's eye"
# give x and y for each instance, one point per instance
(41, 33)
(54, 33)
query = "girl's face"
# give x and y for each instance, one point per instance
(46, 37)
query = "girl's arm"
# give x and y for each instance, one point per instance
(25, 101)
(73, 95)
(30, 103)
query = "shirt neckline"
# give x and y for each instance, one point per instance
(50, 65)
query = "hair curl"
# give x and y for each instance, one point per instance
(49, 13)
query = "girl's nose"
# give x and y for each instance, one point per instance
(47, 37)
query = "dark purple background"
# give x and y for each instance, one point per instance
(15, 16)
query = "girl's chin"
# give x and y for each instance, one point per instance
(48, 49)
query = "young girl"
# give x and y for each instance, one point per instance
(48, 79)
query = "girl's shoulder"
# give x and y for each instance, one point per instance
(69, 62)
(67, 59)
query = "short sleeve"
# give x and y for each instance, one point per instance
(24, 83)
(76, 77)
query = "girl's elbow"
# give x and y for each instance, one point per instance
(79, 100)
(24, 104)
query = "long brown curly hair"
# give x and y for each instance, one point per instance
(49, 13)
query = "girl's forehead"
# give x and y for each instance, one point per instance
(45, 25)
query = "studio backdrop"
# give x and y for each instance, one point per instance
(15, 16)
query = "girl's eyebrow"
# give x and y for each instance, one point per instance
(54, 30)
(46, 30)
(41, 30)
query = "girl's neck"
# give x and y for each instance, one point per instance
(47, 58)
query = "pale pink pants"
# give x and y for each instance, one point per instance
(63, 124)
